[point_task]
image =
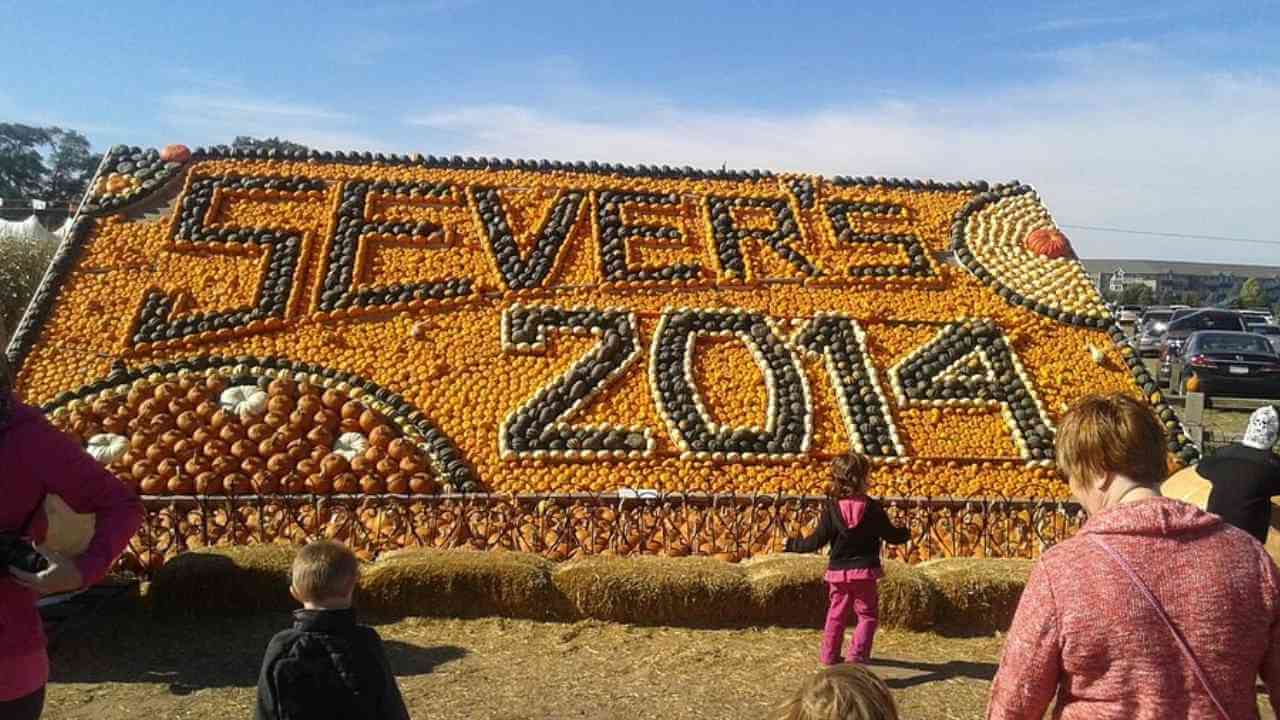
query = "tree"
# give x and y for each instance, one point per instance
(1252, 294)
(48, 163)
(245, 142)
(1138, 294)
(1192, 298)
(71, 165)
(22, 167)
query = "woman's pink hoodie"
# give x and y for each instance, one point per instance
(1085, 636)
(37, 460)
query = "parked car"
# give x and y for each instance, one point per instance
(1181, 326)
(1216, 362)
(1270, 332)
(1130, 313)
(1154, 323)
(1257, 317)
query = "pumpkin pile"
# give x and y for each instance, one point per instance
(225, 323)
(238, 430)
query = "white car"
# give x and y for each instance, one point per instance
(1130, 314)
(1253, 318)
(1270, 332)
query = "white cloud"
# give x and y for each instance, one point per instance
(250, 108)
(212, 118)
(1096, 21)
(1116, 135)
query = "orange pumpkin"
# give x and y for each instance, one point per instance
(1049, 242)
(175, 153)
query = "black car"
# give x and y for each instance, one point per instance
(1182, 325)
(1229, 363)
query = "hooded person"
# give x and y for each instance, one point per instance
(38, 461)
(1246, 475)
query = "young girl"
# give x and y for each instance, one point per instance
(844, 692)
(854, 525)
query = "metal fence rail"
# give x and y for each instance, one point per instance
(561, 527)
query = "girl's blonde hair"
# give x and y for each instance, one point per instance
(849, 475)
(842, 692)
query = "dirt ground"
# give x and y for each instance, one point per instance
(130, 665)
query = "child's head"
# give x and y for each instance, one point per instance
(324, 575)
(849, 475)
(842, 692)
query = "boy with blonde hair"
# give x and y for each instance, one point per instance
(326, 666)
(841, 692)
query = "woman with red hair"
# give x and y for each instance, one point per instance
(1155, 609)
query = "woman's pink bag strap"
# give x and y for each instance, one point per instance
(1155, 605)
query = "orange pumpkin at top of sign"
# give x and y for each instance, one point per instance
(411, 325)
(1049, 242)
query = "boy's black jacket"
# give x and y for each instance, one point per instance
(851, 549)
(328, 668)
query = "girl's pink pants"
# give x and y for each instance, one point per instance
(850, 599)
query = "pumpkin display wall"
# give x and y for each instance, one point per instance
(224, 322)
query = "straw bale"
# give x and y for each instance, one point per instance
(789, 590)
(462, 583)
(646, 590)
(232, 580)
(977, 596)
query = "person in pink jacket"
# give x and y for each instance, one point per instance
(36, 460)
(1155, 609)
(854, 525)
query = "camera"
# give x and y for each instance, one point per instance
(20, 554)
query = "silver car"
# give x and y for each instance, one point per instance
(1270, 332)
(1150, 336)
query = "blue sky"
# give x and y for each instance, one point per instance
(1158, 116)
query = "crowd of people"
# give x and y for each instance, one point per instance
(1155, 609)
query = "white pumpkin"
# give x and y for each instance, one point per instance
(244, 400)
(1097, 355)
(350, 444)
(107, 448)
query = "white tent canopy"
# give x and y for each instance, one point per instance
(29, 230)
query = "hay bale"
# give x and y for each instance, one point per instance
(462, 583)
(977, 596)
(228, 580)
(790, 590)
(645, 590)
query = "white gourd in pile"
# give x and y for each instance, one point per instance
(244, 400)
(107, 448)
(1098, 356)
(350, 444)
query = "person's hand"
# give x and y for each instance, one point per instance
(62, 575)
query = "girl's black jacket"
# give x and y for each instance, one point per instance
(852, 549)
